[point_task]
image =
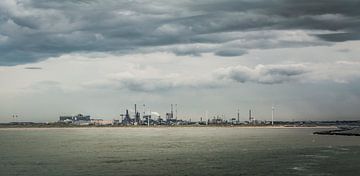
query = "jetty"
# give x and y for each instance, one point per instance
(351, 131)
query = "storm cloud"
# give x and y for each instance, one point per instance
(34, 30)
(94, 56)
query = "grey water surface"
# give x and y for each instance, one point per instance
(176, 151)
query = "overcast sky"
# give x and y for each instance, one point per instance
(99, 57)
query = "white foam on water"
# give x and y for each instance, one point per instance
(298, 168)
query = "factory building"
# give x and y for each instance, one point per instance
(81, 117)
(77, 119)
(67, 119)
(147, 120)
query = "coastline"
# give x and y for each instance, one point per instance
(162, 126)
(342, 132)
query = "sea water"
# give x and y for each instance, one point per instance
(176, 151)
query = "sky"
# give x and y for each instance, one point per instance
(100, 57)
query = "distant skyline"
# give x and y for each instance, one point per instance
(101, 57)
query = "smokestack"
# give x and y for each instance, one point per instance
(172, 112)
(137, 115)
(238, 116)
(250, 118)
(144, 109)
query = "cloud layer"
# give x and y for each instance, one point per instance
(33, 30)
(264, 74)
(93, 56)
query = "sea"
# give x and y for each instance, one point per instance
(176, 151)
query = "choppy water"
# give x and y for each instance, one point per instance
(176, 151)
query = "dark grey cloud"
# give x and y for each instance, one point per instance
(231, 52)
(340, 37)
(33, 68)
(263, 74)
(33, 30)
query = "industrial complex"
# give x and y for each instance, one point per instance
(147, 118)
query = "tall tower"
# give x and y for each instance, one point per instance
(137, 115)
(272, 114)
(172, 112)
(250, 118)
(144, 109)
(238, 116)
(127, 114)
(136, 120)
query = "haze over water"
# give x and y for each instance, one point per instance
(176, 151)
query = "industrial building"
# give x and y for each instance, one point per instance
(77, 119)
(147, 117)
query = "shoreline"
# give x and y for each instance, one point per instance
(341, 132)
(157, 127)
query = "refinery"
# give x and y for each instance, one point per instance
(146, 117)
(149, 118)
